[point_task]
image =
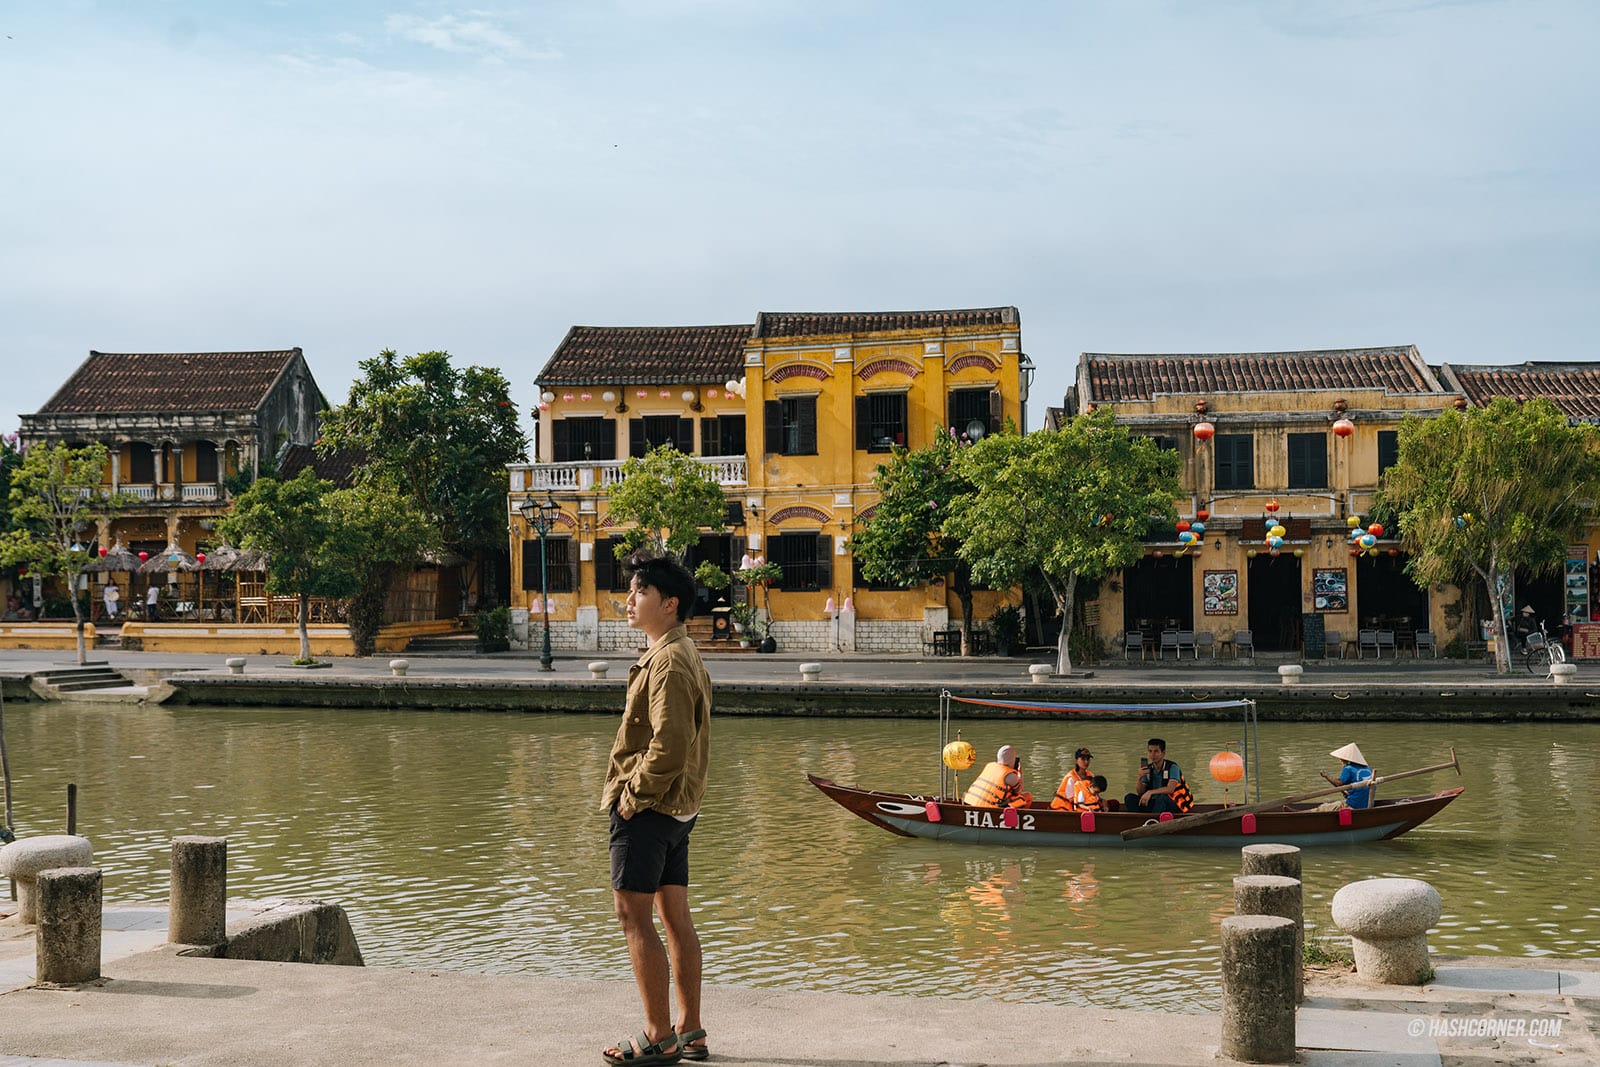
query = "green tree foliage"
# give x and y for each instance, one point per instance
(378, 534)
(1488, 490)
(440, 435)
(56, 501)
(670, 498)
(905, 541)
(10, 460)
(293, 524)
(1074, 503)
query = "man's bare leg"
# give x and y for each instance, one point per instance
(672, 904)
(649, 958)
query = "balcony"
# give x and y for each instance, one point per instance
(585, 475)
(200, 492)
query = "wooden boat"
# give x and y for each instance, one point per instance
(945, 818)
(1041, 825)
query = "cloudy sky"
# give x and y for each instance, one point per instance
(1134, 175)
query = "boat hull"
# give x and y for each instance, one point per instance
(1301, 825)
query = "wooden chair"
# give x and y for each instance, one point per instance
(1244, 640)
(1366, 639)
(1425, 640)
(1332, 639)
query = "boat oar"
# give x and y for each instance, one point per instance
(1189, 822)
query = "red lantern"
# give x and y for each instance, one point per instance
(1182, 525)
(1343, 427)
(199, 557)
(102, 552)
(143, 556)
(1227, 767)
(1203, 515)
(1204, 431)
(1376, 529)
(1394, 552)
(1272, 506)
(1158, 553)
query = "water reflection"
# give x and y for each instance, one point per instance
(470, 841)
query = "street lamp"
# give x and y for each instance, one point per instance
(541, 516)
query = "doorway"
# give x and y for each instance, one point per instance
(1274, 589)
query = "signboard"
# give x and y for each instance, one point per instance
(1221, 591)
(1586, 640)
(1312, 638)
(1331, 589)
(1577, 576)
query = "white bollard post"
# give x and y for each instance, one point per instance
(810, 672)
(398, 667)
(597, 670)
(1289, 673)
(235, 665)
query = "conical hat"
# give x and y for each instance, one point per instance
(1349, 752)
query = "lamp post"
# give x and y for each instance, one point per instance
(541, 516)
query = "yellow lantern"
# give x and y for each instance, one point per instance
(959, 755)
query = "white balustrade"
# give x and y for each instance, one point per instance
(571, 477)
(199, 492)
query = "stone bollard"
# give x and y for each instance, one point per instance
(1258, 967)
(1271, 894)
(1281, 860)
(23, 860)
(597, 670)
(398, 667)
(1039, 673)
(67, 940)
(1387, 920)
(1563, 673)
(810, 672)
(235, 664)
(197, 913)
(1289, 673)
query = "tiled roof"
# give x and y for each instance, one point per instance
(1572, 387)
(646, 355)
(143, 383)
(336, 467)
(807, 324)
(1114, 377)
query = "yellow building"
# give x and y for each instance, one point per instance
(1290, 438)
(794, 412)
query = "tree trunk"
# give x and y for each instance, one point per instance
(1064, 596)
(965, 600)
(1502, 637)
(77, 615)
(305, 634)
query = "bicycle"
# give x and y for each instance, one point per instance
(1540, 652)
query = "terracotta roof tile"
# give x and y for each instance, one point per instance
(1114, 377)
(336, 467)
(1574, 388)
(646, 355)
(128, 383)
(809, 324)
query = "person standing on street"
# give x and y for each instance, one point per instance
(655, 782)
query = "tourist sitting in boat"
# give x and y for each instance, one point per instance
(1161, 784)
(1000, 784)
(1078, 792)
(1355, 769)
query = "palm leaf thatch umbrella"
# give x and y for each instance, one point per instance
(169, 560)
(118, 559)
(221, 558)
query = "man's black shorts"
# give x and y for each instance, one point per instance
(649, 851)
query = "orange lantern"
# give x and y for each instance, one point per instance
(1376, 529)
(1227, 767)
(1272, 506)
(1204, 431)
(1203, 515)
(1343, 427)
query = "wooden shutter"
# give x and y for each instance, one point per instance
(636, 442)
(605, 565)
(863, 423)
(530, 566)
(950, 411)
(737, 547)
(606, 447)
(560, 442)
(686, 436)
(572, 566)
(824, 561)
(773, 410)
(808, 425)
(710, 439)
(996, 410)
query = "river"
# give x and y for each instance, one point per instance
(471, 842)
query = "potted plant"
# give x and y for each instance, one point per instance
(713, 578)
(743, 617)
(494, 630)
(1006, 625)
(758, 573)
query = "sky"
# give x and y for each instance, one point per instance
(348, 176)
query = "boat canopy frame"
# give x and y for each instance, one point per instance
(1250, 744)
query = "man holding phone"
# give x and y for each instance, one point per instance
(1161, 784)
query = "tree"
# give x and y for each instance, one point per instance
(669, 497)
(904, 541)
(1488, 490)
(1073, 503)
(443, 437)
(10, 460)
(378, 535)
(292, 523)
(56, 501)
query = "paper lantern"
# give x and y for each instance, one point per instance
(1353, 521)
(1272, 507)
(1376, 529)
(143, 556)
(959, 755)
(585, 396)
(548, 397)
(608, 396)
(1227, 767)
(1182, 525)
(1343, 428)
(1367, 540)
(1203, 515)
(103, 551)
(1204, 431)
(1199, 528)
(199, 557)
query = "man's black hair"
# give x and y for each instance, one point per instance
(665, 575)
(1156, 741)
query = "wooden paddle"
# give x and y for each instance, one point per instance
(1186, 822)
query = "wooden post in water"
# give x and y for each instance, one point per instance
(72, 807)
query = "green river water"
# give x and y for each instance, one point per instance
(472, 842)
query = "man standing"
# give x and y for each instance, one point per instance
(654, 784)
(1161, 784)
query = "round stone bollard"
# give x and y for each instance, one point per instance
(1281, 860)
(597, 670)
(1289, 673)
(1271, 894)
(1039, 673)
(1258, 969)
(235, 664)
(398, 667)
(1563, 673)
(197, 911)
(67, 940)
(810, 672)
(1387, 920)
(23, 860)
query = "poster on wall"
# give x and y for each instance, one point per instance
(1577, 576)
(1331, 589)
(1221, 592)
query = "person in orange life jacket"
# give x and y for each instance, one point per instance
(1161, 784)
(1078, 791)
(1355, 769)
(1000, 784)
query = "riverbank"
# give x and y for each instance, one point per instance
(850, 685)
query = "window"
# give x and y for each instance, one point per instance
(141, 463)
(561, 563)
(1236, 467)
(1388, 449)
(1308, 461)
(205, 462)
(806, 559)
(609, 573)
(792, 426)
(974, 412)
(1165, 442)
(580, 439)
(653, 431)
(862, 582)
(880, 421)
(722, 436)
